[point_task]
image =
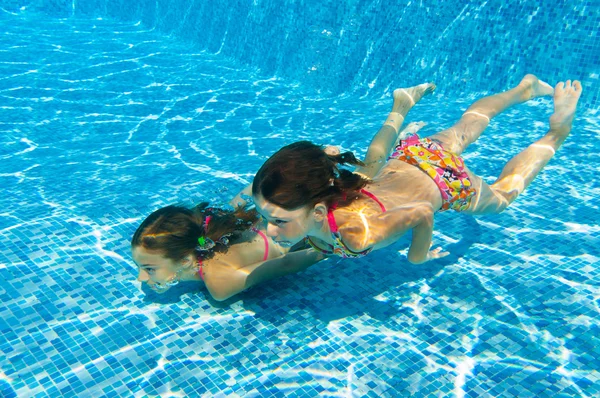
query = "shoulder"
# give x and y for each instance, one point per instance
(250, 250)
(217, 272)
(361, 231)
(223, 274)
(353, 230)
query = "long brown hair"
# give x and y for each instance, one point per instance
(174, 230)
(303, 174)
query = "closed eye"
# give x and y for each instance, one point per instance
(276, 222)
(149, 270)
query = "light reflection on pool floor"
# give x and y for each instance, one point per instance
(103, 123)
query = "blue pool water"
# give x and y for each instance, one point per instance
(111, 109)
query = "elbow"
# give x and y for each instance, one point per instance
(358, 246)
(221, 295)
(416, 259)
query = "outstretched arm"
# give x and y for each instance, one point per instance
(226, 282)
(421, 241)
(238, 200)
(290, 263)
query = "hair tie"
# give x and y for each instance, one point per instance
(205, 244)
(224, 240)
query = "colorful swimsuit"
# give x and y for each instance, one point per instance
(265, 257)
(339, 248)
(445, 168)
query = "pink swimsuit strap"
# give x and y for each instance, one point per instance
(370, 195)
(261, 233)
(331, 219)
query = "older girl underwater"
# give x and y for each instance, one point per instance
(226, 248)
(302, 192)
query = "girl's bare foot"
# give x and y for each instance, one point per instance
(566, 96)
(534, 87)
(405, 98)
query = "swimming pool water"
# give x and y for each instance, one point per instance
(103, 121)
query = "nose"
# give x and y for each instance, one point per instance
(143, 276)
(271, 231)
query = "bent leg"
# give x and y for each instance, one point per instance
(525, 166)
(477, 117)
(385, 139)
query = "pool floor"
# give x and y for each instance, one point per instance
(103, 122)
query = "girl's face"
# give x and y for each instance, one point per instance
(155, 270)
(286, 227)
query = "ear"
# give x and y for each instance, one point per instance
(320, 212)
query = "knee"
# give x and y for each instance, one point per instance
(376, 152)
(479, 117)
(494, 201)
(503, 200)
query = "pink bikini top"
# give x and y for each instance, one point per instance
(265, 257)
(339, 248)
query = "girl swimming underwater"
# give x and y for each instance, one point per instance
(302, 192)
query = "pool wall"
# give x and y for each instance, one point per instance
(368, 46)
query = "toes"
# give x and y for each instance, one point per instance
(569, 87)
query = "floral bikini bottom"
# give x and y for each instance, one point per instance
(445, 168)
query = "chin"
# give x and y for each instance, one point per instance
(158, 290)
(286, 244)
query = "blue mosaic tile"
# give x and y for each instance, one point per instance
(513, 311)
